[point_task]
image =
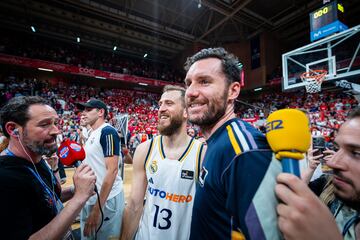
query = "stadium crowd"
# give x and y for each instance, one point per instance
(327, 110)
(82, 56)
(141, 107)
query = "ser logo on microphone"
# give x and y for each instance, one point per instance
(274, 125)
(64, 152)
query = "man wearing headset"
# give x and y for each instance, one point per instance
(30, 202)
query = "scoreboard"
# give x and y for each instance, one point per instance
(327, 20)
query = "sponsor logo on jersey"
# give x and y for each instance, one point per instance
(202, 176)
(187, 174)
(179, 198)
(153, 167)
(151, 180)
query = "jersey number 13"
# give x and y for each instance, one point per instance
(165, 214)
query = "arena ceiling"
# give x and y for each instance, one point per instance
(164, 28)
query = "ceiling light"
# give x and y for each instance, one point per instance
(33, 29)
(46, 69)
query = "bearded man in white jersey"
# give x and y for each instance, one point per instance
(165, 170)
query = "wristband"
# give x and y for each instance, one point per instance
(55, 171)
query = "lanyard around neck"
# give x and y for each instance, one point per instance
(47, 189)
(9, 153)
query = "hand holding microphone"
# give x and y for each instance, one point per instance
(84, 180)
(299, 209)
(288, 134)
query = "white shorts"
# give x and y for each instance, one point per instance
(113, 213)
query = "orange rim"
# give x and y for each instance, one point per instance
(317, 75)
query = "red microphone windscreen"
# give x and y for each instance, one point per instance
(70, 151)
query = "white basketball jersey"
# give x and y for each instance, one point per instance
(170, 192)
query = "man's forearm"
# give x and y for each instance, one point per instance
(58, 227)
(106, 187)
(130, 222)
(67, 193)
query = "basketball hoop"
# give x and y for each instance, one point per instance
(313, 80)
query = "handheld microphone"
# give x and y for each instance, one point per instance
(288, 133)
(71, 153)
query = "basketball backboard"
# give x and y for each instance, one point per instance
(338, 54)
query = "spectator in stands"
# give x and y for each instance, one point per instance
(74, 136)
(85, 130)
(83, 57)
(31, 203)
(303, 216)
(126, 155)
(134, 142)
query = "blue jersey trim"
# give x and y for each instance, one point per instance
(182, 155)
(110, 141)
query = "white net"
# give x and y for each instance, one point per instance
(312, 85)
(313, 80)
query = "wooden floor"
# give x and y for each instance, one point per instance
(127, 184)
